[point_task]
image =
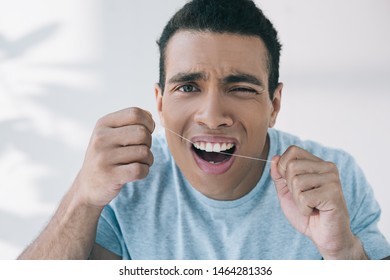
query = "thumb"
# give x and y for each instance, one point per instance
(279, 181)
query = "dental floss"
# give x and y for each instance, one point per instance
(235, 155)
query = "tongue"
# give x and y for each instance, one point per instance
(214, 157)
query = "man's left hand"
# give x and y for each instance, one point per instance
(311, 197)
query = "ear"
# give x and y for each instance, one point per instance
(276, 104)
(159, 102)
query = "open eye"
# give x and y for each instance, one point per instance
(187, 88)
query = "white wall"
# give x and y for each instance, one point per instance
(63, 64)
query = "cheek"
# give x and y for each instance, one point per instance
(255, 122)
(176, 117)
(254, 116)
(257, 133)
(177, 113)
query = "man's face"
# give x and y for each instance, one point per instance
(216, 95)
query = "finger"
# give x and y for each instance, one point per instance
(130, 154)
(294, 153)
(279, 181)
(308, 182)
(131, 172)
(275, 174)
(128, 116)
(131, 135)
(303, 166)
(323, 199)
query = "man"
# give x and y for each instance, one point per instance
(221, 183)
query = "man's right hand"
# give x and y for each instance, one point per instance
(118, 152)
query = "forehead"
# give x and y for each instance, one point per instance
(222, 52)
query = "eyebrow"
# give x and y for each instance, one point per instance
(243, 78)
(184, 77)
(187, 77)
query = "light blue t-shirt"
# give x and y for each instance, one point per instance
(164, 217)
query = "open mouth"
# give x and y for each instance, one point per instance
(214, 153)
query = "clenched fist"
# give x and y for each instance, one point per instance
(118, 152)
(311, 197)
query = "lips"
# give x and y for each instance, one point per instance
(213, 155)
(213, 147)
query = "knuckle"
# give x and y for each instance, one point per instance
(302, 199)
(143, 151)
(146, 155)
(334, 177)
(151, 158)
(330, 165)
(296, 182)
(138, 170)
(333, 170)
(144, 135)
(135, 114)
(142, 132)
(292, 149)
(98, 138)
(291, 166)
(102, 121)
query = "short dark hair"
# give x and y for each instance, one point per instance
(240, 17)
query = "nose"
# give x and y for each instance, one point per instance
(213, 111)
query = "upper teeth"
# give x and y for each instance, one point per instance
(213, 147)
